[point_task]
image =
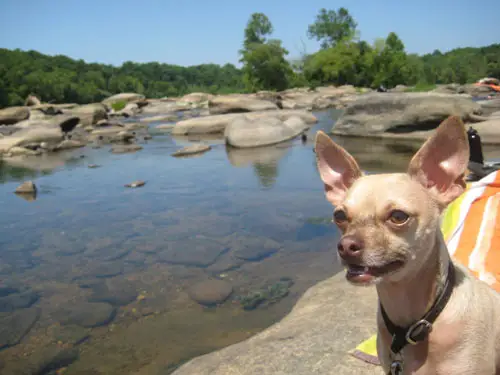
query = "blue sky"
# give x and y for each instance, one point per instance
(190, 32)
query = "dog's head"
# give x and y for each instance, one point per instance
(389, 222)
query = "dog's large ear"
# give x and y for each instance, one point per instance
(337, 168)
(442, 161)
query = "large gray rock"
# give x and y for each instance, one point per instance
(245, 132)
(489, 106)
(12, 115)
(34, 134)
(123, 97)
(401, 112)
(218, 123)
(89, 114)
(237, 104)
(330, 319)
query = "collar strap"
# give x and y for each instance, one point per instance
(418, 331)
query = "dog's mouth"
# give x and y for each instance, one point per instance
(361, 274)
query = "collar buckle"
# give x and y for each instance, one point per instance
(418, 331)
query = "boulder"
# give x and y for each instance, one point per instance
(32, 100)
(378, 113)
(89, 114)
(124, 97)
(218, 123)
(237, 104)
(33, 134)
(328, 321)
(12, 115)
(244, 132)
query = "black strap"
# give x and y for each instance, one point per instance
(418, 331)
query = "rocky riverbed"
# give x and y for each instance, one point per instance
(127, 255)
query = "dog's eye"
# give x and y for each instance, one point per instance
(398, 217)
(339, 216)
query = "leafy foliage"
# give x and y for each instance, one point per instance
(332, 27)
(342, 59)
(265, 66)
(60, 79)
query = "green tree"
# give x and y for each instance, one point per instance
(264, 64)
(332, 27)
(258, 27)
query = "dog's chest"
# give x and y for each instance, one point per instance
(431, 356)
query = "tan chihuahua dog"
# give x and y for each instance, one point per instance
(434, 317)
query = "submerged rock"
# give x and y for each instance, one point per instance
(18, 300)
(123, 149)
(210, 292)
(328, 321)
(192, 150)
(87, 314)
(117, 292)
(14, 326)
(136, 184)
(266, 296)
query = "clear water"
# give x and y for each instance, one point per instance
(147, 247)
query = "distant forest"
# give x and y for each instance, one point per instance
(343, 59)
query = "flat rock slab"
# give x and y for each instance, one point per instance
(192, 150)
(330, 319)
(401, 112)
(217, 123)
(123, 149)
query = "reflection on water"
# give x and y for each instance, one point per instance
(98, 278)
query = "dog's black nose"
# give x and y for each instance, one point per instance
(350, 246)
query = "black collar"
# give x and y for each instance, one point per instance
(418, 331)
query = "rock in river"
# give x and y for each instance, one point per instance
(27, 187)
(379, 113)
(237, 104)
(12, 115)
(87, 314)
(135, 184)
(245, 132)
(210, 292)
(330, 319)
(218, 123)
(192, 150)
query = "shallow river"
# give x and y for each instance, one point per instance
(96, 278)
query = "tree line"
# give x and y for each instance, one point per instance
(344, 58)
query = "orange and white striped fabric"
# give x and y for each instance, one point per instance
(471, 228)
